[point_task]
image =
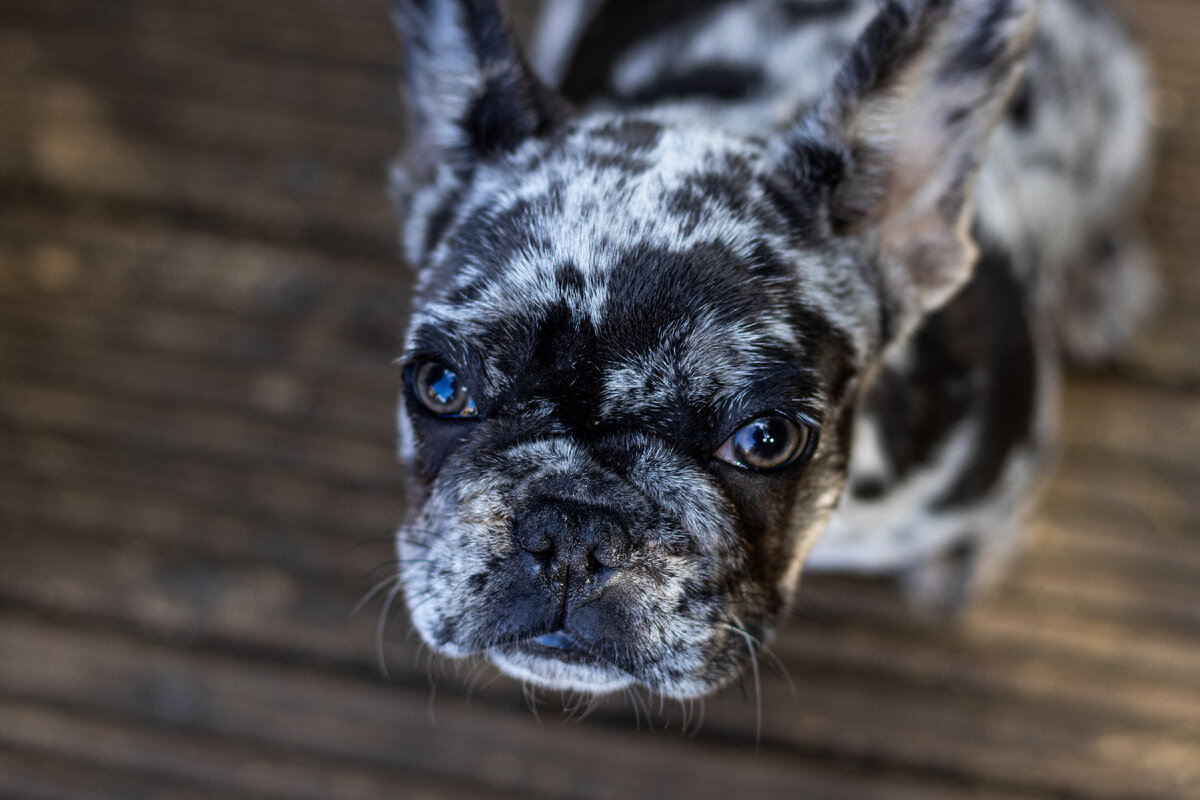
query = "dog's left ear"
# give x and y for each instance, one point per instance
(893, 147)
(471, 94)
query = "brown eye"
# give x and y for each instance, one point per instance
(766, 444)
(440, 391)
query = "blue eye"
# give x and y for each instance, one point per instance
(440, 391)
(767, 443)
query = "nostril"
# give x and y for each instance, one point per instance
(538, 545)
(610, 556)
(612, 546)
(533, 535)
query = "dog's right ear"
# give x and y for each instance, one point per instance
(899, 137)
(471, 94)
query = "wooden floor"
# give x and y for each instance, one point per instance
(199, 301)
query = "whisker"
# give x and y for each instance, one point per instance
(370, 595)
(739, 629)
(381, 628)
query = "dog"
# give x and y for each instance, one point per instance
(738, 285)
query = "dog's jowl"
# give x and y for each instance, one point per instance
(732, 286)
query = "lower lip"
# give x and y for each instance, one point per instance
(558, 646)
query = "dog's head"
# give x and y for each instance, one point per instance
(636, 344)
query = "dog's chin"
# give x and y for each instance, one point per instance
(552, 663)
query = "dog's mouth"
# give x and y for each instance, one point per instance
(559, 645)
(557, 660)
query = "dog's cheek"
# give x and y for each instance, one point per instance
(449, 549)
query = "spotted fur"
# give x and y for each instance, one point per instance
(731, 208)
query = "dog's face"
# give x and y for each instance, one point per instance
(627, 415)
(634, 356)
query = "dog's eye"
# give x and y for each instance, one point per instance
(767, 443)
(438, 388)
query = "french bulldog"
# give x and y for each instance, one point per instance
(725, 287)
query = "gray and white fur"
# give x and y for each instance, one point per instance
(736, 286)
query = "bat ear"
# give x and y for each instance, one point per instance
(470, 91)
(909, 115)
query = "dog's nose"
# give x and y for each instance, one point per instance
(570, 543)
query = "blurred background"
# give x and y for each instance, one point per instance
(199, 301)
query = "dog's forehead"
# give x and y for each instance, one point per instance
(612, 181)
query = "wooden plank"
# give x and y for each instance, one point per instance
(34, 776)
(1158, 425)
(50, 752)
(363, 408)
(1166, 352)
(74, 253)
(389, 727)
(105, 60)
(269, 193)
(361, 33)
(175, 496)
(201, 125)
(340, 458)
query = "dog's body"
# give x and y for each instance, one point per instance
(656, 337)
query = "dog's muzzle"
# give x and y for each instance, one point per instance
(569, 552)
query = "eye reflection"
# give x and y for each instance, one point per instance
(439, 390)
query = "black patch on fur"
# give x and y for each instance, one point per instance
(467, 293)
(617, 27)
(556, 356)
(1020, 108)
(973, 358)
(632, 133)
(802, 12)
(622, 162)
(724, 190)
(439, 220)
(716, 81)
(880, 53)
(868, 488)
(491, 240)
(568, 278)
(1008, 407)
(958, 116)
(800, 190)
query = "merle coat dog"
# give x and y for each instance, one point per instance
(736, 285)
